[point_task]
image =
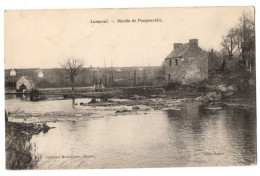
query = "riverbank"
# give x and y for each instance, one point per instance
(164, 97)
(17, 144)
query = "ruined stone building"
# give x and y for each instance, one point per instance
(187, 63)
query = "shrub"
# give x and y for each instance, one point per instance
(172, 86)
(105, 97)
(93, 100)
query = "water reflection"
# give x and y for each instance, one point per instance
(73, 103)
(242, 130)
(219, 136)
(17, 96)
(196, 135)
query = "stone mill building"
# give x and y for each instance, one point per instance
(187, 63)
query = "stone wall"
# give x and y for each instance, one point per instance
(174, 70)
(189, 69)
(194, 69)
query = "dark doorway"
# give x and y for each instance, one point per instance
(22, 87)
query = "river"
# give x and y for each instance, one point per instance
(194, 134)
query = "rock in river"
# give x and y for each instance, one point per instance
(121, 110)
(136, 108)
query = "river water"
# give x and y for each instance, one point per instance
(194, 134)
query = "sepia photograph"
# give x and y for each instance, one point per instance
(130, 88)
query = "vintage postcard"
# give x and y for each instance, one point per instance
(130, 88)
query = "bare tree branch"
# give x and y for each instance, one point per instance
(72, 67)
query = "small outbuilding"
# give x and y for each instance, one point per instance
(25, 83)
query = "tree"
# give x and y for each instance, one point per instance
(215, 63)
(246, 36)
(229, 43)
(241, 39)
(224, 56)
(71, 68)
(160, 74)
(162, 71)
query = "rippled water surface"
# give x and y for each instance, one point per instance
(194, 135)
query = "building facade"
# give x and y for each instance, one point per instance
(187, 63)
(25, 82)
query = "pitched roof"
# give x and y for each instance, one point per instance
(186, 50)
(179, 52)
(28, 78)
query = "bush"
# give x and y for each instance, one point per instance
(172, 86)
(93, 100)
(202, 88)
(106, 97)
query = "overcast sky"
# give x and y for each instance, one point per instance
(43, 38)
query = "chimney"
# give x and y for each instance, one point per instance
(194, 42)
(177, 46)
